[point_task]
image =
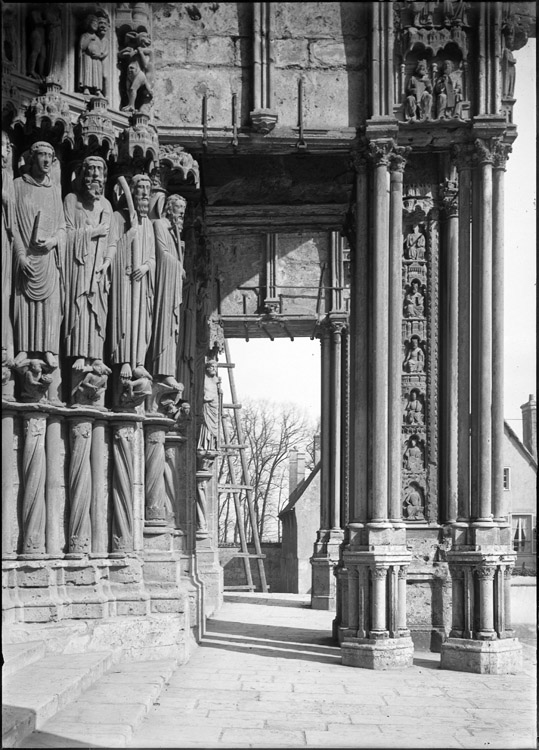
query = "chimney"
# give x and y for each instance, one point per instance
(296, 471)
(529, 425)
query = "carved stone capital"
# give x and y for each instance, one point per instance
(449, 197)
(380, 152)
(463, 155)
(485, 572)
(398, 158)
(176, 163)
(500, 154)
(484, 150)
(379, 572)
(402, 571)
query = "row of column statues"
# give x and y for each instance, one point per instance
(102, 285)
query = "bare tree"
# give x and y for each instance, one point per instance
(270, 430)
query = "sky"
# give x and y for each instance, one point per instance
(290, 371)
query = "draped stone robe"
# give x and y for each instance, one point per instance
(120, 251)
(87, 298)
(39, 293)
(169, 251)
(8, 219)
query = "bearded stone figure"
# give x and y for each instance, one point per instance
(88, 218)
(8, 217)
(39, 252)
(170, 274)
(131, 253)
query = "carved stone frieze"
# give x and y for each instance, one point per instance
(177, 165)
(95, 128)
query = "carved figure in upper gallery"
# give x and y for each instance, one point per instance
(8, 219)
(131, 253)
(413, 413)
(207, 439)
(508, 62)
(413, 456)
(170, 273)
(414, 244)
(53, 19)
(415, 358)
(93, 49)
(38, 46)
(418, 102)
(138, 55)
(414, 301)
(88, 219)
(422, 13)
(413, 504)
(39, 256)
(454, 12)
(448, 91)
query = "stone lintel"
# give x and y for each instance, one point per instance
(388, 555)
(482, 657)
(382, 128)
(387, 653)
(489, 126)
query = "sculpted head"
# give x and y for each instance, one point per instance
(92, 22)
(102, 25)
(421, 68)
(211, 367)
(140, 188)
(6, 150)
(94, 175)
(175, 209)
(42, 157)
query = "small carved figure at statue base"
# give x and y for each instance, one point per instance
(448, 91)
(418, 102)
(7, 366)
(162, 395)
(415, 358)
(136, 390)
(36, 378)
(92, 383)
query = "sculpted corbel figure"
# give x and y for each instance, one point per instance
(413, 504)
(170, 273)
(88, 219)
(448, 90)
(39, 241)
(418, 102)
(93, 49)
(131, 254)
(36, 379)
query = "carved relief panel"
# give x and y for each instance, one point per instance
(419, 356)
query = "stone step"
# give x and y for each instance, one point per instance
(109, 712)
(36, 692)
(19, 655)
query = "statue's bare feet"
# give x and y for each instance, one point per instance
(51, 361)
(125, 372)
(78, 364)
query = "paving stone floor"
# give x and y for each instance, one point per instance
(268, 675)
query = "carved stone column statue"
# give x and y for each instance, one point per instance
(169, 251)
(88, 218)
(39, 239)
(8, 218)
(131, 253)
(93, 50)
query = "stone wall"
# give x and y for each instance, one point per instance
(234, 570)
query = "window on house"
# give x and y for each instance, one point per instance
(523, 532)
(507, 478)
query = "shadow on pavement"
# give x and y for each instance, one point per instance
(284, 633)
(271, 651)
(266, 601)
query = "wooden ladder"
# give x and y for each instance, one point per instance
(236, 488)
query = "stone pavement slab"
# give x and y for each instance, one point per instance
(270, 676)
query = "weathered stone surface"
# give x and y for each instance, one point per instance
(483, 657)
